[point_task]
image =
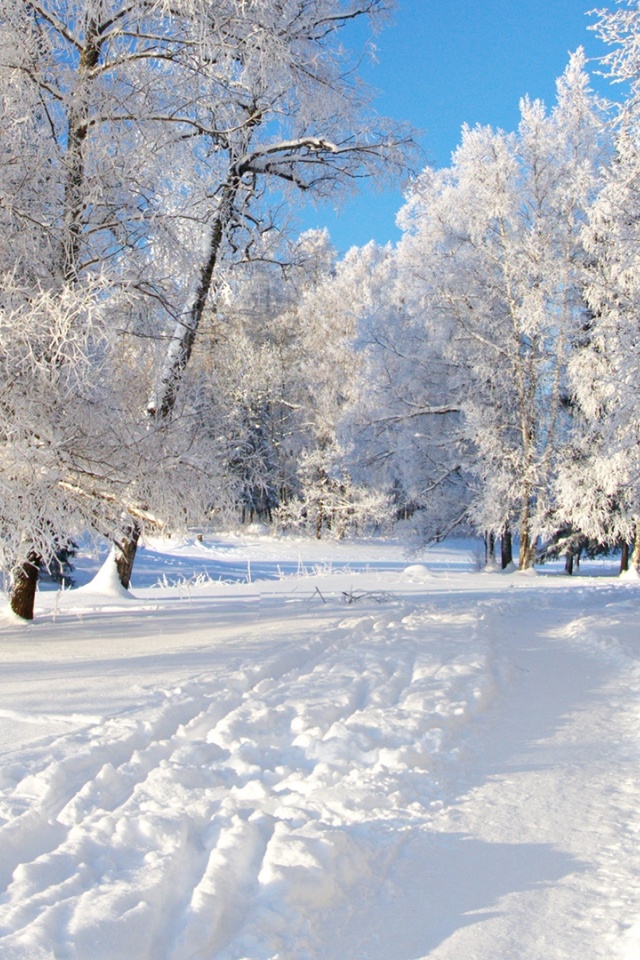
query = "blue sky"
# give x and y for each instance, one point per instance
(442, 63)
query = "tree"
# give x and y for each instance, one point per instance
(297, 117)
(492, 250)
(603, 494)
(403, 418)
(130, 128)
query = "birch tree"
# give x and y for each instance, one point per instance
(602, 493)
(493, 247)
(296, 118)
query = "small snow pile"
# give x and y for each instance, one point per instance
(106, 582)
(416, 573)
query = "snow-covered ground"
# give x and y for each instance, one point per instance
(303, 751)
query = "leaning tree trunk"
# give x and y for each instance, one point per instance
(163, 398)
(25, 583)
(126, 553)
(164, 395)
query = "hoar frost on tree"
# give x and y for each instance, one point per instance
(493, 263)
(86, 112)
(296, 118)
(330, 496)
(134, 135)
(403, 417)
(603, 495)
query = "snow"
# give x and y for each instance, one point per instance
(290, 750)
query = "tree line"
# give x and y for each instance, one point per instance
(499, 340)
(171, 356)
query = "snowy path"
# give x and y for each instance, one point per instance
(451, 773)
(539, 855)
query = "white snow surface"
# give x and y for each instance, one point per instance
(286, 750)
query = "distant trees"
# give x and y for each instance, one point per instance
(487, 308)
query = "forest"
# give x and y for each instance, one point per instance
(173, 356)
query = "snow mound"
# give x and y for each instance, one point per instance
(416, 573)
(106, 582)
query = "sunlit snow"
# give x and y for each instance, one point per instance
(290, 750)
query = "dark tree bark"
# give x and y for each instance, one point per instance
(126, 554)
(568, 562)
(489, 549)
(75, 200)
(527, 543)
(25, 583)
(506, 548)
(624, 558)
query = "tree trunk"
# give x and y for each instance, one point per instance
(506, 548)
(489, 549)
(568, 562)
(77, 131)
(126, 554)
(163, 398)
(624, 558)
(527, 546)
(527, 550)
(25, 582)
(635, 556)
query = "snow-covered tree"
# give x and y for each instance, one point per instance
(133, 134)
(403, 417)
(89, 95)
(332, 492)
(492, 260)
(296, 117)
(601, 495)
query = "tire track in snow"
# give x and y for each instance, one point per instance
(100, 770)
(538, 856)
(234, 813)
